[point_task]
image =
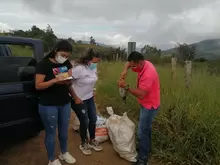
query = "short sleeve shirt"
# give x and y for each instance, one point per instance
(148, 80)
(55, 95)
(84, 81)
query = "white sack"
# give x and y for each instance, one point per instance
(122, 135)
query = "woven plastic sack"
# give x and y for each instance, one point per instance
(122, 135)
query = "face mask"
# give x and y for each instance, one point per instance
(136, 69)
(60, 59)
(93, 66)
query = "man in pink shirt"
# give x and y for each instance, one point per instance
(147, 93)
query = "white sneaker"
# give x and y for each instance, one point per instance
(85, 149)
(55, 162)
(67, 157)
(95, 145)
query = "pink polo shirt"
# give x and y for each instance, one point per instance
(148, 80)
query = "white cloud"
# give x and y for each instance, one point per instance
(156, 22)
(4, 27)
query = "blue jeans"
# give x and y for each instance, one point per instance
(86, 114)
(51, 116)
(145, 132)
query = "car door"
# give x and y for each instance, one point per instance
(19, 116)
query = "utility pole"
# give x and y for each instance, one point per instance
(131, 47)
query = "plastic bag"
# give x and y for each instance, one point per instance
(123, 93)
(101, 132)
(122, 135)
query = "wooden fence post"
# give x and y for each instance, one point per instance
(117, 56)
(188, 72)
(173, 64)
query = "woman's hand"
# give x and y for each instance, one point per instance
(58, 79)
(61, 80)
(77, 100)
(70, 72)
(65, 82)
(94, 93)
(41, 84)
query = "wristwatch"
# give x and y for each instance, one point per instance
(126, 87)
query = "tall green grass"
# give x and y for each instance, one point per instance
(22, 51)
(187, 127)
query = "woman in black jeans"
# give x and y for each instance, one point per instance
(85, 76)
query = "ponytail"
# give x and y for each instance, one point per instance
(87, 56)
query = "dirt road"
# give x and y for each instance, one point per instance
(32, 152)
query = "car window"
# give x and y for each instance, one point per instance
(17, 63)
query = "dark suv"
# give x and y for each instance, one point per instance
(19, 118)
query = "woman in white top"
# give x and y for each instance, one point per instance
(84, 75)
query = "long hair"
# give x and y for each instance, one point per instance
(87, 56)
(61, 45)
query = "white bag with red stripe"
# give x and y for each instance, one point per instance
(101, 132)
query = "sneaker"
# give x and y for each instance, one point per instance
(68, 158)
(55, 162)
(95, 145)
(85, 149)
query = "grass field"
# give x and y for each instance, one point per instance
(186, 130)
(17, 50)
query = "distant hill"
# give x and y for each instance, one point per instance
(208, 49)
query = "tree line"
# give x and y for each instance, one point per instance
(46, 35)
(183, 51)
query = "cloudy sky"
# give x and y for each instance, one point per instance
(158, 22)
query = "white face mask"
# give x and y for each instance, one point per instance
(60, 59)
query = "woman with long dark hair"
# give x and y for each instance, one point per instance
(54, 100)
(84, 79)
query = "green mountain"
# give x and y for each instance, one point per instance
(208, 49)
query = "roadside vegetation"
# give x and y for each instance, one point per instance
(187, 127)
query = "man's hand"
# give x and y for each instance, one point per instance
(121, 83)
(125, 71)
